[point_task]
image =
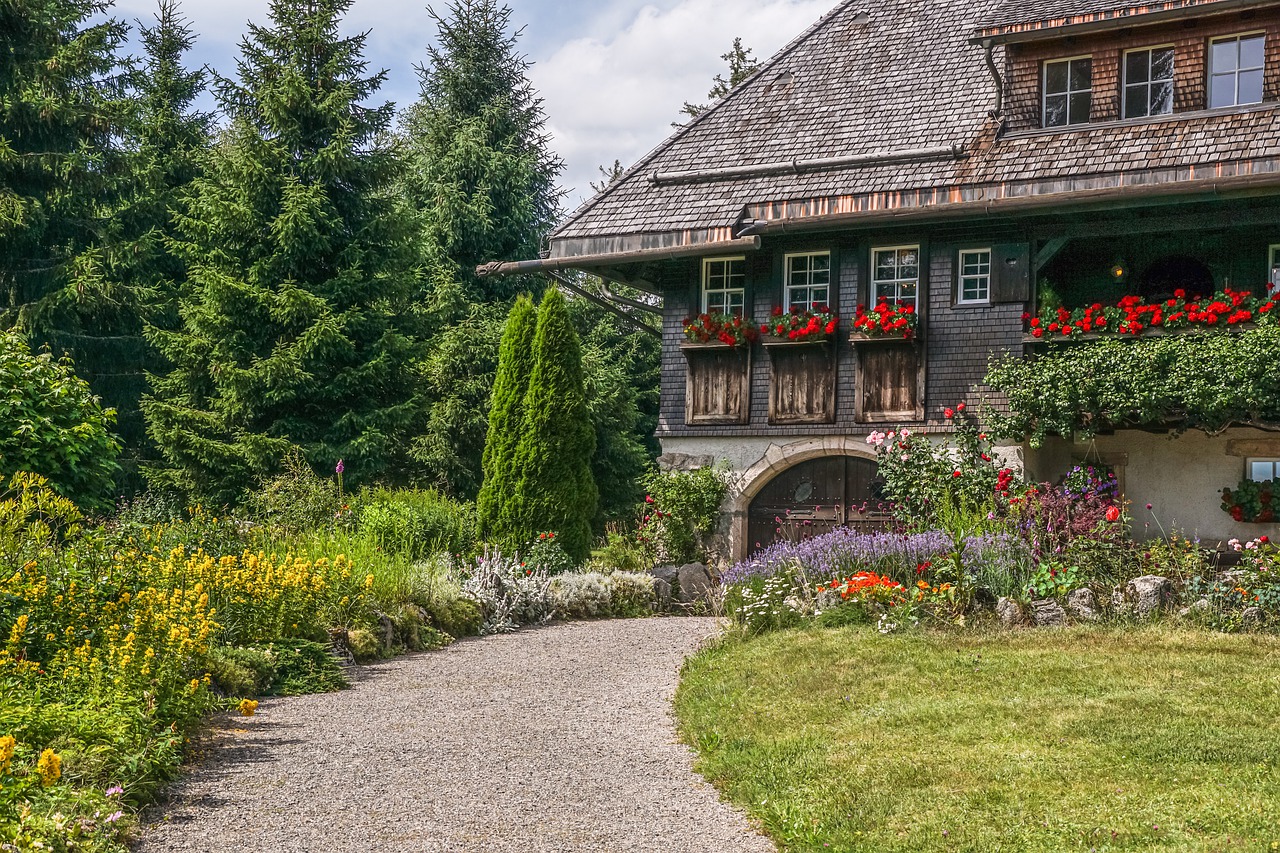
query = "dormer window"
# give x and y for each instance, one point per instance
(1235, 70)
(723, 285)
(1148, 82)
(1068, 91)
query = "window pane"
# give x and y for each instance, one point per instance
(1161, 99)
(821, 262)
(1222, 90)
(1055, 77)
(1081, 74)
(1260, 471)
(907, 291)
(1222, 55)
(818, 297)
(798, 296)
(1135, 66)
(821, 276)
(1135, 101)
(1250, 87)
(1251, 52)
(907, 258)
(1055, 111)
(735, 302)
(1162, 64)
(1079, 109)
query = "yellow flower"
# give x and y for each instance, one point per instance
(49, 767)
(247, 707)
(7, 743)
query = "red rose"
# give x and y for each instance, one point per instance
(1113, 513)
(948, 413)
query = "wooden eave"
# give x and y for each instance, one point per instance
(1108, 19)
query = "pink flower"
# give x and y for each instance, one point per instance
(340, 468)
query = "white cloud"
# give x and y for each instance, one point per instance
(615, 96)
(613, 73)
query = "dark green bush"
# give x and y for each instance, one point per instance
(295, 501)
(681, 512)
(457, 617)
(240, 671)
(303, 667)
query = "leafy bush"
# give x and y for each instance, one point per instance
(456, 616)
(296, 500)
(303, 667)
(546, 554)
(621, 552)
(52, 424)
(416, 522)
(681, 513)
(924, 477)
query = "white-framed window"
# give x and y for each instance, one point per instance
(973, 285)
(808, 281)
(1068, 91)
(895, 273)
(1148, 82)
(1262, 469)
(1235, 70)
(1273, 269)
(723, 285)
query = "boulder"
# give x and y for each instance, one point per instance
(1048, 613)
(1150, 594)
(661, 595)
(666, 573)
(1196, 608)
(694, 583)
(1082, 606)
(1251, 617)
(1120, 605)
(1010, 613)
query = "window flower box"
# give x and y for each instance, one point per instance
(895, 321)
(798, 327)
(728, 329)
(1133, 317)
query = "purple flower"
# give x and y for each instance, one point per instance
(340, 468)
(113, 790)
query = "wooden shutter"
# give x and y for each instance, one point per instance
(718, 384)
(1010, 272)
(802, 383)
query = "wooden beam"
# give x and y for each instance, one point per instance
(608, 306)
(1047, 252)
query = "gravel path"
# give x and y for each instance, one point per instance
(555, 739)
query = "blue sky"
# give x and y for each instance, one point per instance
(613, 73)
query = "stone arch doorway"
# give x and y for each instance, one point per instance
(813, 497)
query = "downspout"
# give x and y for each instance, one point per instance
(997, 113)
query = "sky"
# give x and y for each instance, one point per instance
(613, 74)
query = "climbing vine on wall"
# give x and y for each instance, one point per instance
(1207, 381)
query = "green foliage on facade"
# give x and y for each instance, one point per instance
(296, 329)
(1206, 381)
(51, 424)
(506, 416)
(555, 490)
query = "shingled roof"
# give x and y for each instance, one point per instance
(885, 107)
(1049, 17)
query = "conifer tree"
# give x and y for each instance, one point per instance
(506, 413)
(295, 330)
(481, 176)
(128, 276)
(555, 490)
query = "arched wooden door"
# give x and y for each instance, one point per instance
(815, 497)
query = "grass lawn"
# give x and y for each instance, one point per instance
(1082, 739)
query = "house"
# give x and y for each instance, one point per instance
(967, 160)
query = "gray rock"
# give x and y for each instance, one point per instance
(694, 583)
(661, 595)
(1120, 605)
(1195, 608)
(1010, 613)
(1048, 613)
(1082, 605)
(1150, 594)
(1251, 617)
(666, 573)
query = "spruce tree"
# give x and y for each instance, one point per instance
(61, 116)
(479, 162)
(506, 414)
(295, 327)
(555, 490)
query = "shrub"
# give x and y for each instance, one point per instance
(681, 510)
(454, 615)
(506, 419)
(52, 424)
(555, 489)
(364, 645)
(621, 552)
(304, 667)
(546, 554)
(296, 500)
(585, 595)
(632, 593)
(507, 593)
(416, 522)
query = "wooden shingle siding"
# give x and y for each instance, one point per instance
(1023, 64)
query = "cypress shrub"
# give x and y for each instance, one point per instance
(506, 415)
(555, 490)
